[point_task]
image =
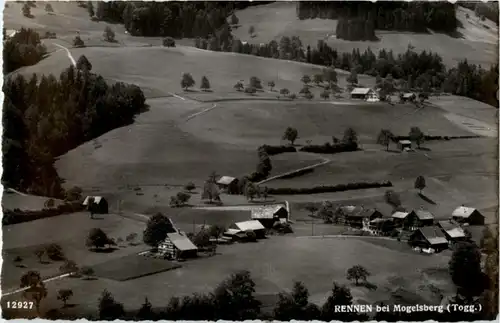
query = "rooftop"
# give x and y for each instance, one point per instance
(400, 215)
(97, 199)
(225, 180)
(405, 142)
(361, 90)
(424, 215)
(463, 211)
(266, 211)
(249, 225)
(181, 242)
(452, 229)
(434, 235)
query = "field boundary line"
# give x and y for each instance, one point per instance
(324, 162)
(201, 112)
(334, 236)
(70, 56)
(45, 281)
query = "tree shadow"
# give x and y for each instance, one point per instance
(425, 198)
(368, 285)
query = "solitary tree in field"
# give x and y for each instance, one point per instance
(39, 254)
(350, 136)
(69, 267)
(48, 8)
(64, 295)
(205, 84)
(251, 30)
(325, 94)
(384, 138)
(420, 183)
(356, 273)
(318, 78)
(234, 19)
(290, 134)
(255, 82)
(83, 64)
(187, 81)
(250, 191)
(284, 91)
(306, 79)
(353, 78)
(157, 228)
(189, 187)
(330, 76)
(311, 208)
(87, 272)
(210, 190)
(109, 34)
(26, 10)
(78, 42)
(293, 96)
(417, 136)
(98, 239)
(36, 289)
(271, 85)
(238, 86)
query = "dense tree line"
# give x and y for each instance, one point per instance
(487, 10)
(412, 70)
(45, 117)
(385, 15)
(23, 49)
(355, 29)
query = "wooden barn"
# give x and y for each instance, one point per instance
(467, 215)
(399, 218)
(269, 214)
(364, 94)
(452, 231)
(418, 219)
(177, 246)
(429, 237)
(357, 216)
(96, 204)
(252, 225)
(404, 145)
(228, 184)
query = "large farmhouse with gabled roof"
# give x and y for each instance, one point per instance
(467, 215)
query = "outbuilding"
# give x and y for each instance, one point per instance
(404, 145)
(357, 219)
(252, 225)
(452, 231)
(177, 246)
(429, 237)
(467, 215)
(409, 96)
(97, 204)
(418, 219)
(228, 184)
(399, 218)
(364, 94)
(267, 215)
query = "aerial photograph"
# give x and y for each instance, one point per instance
(237, 160)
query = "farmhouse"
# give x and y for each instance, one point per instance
(97, 203)
(364, 94)
(404, 145)
(267, 215)
(245, 226)
(429, 237)
(358, 216)
(399, 218)
(381, 226)
(418, 219)
(177, 246)
(452, 231)
(467, 215)
(408, 97)
(228, 184)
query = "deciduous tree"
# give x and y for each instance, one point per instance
(109, 34)
(384, 138)
(205, 84)
(157, 228)
(416, 135)
(187, 81)
(420, 183)
(356, 273)
(291, 134)
(109, 309)
(64, 295)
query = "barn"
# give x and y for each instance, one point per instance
(364, 94)
(177, 246)
(357, 219)
(97, 204)
(267, 215)
(418, 219)
(467, 215)
(452, 231)
(399, 218)
(228, 184)
(404, 145)
(429, 237)
(252, 225)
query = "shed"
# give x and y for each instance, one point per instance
(409, 96)
(97, 204)
(251, 225)
(417, 219)
(363, 93)
(228, 184)
(267, 215)
(399, 218)
(429, 237)
(404, 144)
(468, 215)
(452, 231)
(381, 226)
(177, 245)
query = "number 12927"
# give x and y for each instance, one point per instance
(20, 305)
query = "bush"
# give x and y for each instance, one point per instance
(275, 150)
(49, 203)
(168, 42)
(328, 189)
(19, 216)
(55, 252)
(328, 148)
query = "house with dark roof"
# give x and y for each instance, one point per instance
(398, 217)
(269, 214)
(429, 237)
(467, 215)
(228, 184)
(364, 94)
(452, 231)
(357, 216)
(97, 204)
(177, 246)
(381, 226)
(418, 219)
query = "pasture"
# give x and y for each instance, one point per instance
(476, 40)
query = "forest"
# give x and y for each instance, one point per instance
(23, 49)
(44, 117)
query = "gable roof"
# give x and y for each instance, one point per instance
(408, 95)
(424, 215)
(97, 199)
(400, 215)
(405, 142)
(463, 211)
(452, 229)
(433, 235)
(225, 180)
(181, 242)
(351, 209)
(266, 211)
(361, 90)
(365, 213)
(249, 225)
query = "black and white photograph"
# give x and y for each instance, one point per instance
(250, 160)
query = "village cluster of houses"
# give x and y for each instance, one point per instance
(425, 231)
(373, 95)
